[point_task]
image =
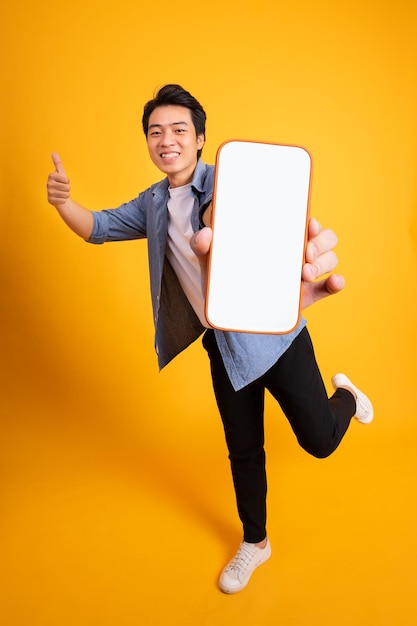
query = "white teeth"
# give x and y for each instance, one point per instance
(169, 155)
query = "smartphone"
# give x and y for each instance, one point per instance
(260, 213)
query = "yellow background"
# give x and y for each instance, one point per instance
(116, 500)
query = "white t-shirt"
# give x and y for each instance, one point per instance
(179, 253)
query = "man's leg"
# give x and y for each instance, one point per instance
(242, 413)
(295, 381)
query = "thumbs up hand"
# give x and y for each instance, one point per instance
(58, 185)
(79, 219)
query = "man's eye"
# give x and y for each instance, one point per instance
(180, 130)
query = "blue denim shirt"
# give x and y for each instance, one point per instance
(246, 356)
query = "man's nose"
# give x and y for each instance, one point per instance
(167, 138)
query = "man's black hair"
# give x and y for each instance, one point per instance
(178, 96)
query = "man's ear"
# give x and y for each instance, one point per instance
(200, 141)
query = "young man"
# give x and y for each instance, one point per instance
(174, 215)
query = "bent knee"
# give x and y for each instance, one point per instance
(320, 449)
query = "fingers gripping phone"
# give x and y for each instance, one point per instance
(259, 219)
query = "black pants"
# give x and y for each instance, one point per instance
(318, 422)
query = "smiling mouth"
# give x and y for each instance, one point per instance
(169, 155)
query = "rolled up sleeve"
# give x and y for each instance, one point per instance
(121, 224)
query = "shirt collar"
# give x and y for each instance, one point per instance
(199, 175)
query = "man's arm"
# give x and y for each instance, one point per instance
(79, 219)
(320, 260)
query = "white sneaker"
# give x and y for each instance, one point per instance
(237, 573)
(364, 409)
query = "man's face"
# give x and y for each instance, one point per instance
(173, 144)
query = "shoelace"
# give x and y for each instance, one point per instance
(362, 407)
(243, 557)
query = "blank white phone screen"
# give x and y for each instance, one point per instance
(260, 212)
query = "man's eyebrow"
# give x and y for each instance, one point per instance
(172, 124)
